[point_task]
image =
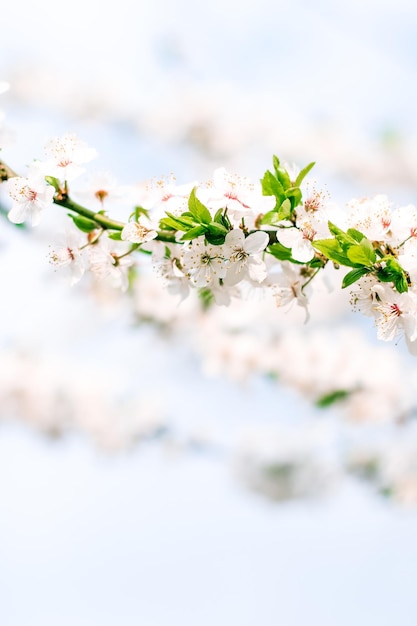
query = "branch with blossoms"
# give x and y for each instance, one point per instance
(231, 235)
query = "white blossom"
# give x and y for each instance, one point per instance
(203, 263)
(31, 196)
(69, 255)
(244, 256)
(141, 231)
(106, 264)
(241, 197)
(395, 312)
(67, 154)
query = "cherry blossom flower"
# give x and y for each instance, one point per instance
(403, 224)
(139, 232)
(163, 195)
(4, 86)
(67, 153)
(239, 195)
(106, 264)
(244, 255)
(311, 224)
(31, 196)
(395, 313)
(69, 255)
(287, 287)
(370, 216)
(203, 263)
(101, 189)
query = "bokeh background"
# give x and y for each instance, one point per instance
(118, 520)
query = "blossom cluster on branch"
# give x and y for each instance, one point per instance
(231, 237)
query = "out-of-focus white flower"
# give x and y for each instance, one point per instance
(107, 265)
(241, 197)
(4, 86)
(287, 287)
(31, 196)
(169, 268)
(102, 190)
(163, 195)
(69, 256)
(67, 153)
(244, 255)
(371, 216)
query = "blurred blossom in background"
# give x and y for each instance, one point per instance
(159, 465)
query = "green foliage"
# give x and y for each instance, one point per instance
(198, 221)
(354, 275)
(51, 180)
(206, 297)
(333, 251)
(197, 209)
(328, 399)
(282, 253)
(287, 193)
(116, 236)
(83, 223)
(391, 271)
(304, 173)
(350, 248)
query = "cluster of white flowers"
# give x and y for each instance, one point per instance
(55, 396)
(231, 237)
(221, 121)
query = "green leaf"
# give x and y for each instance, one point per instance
(272, 187)
(272, 218)
(355, 234)
(282, 253)
(139, 210)
(51, 180)
(354, 275)
(281, 173)
(330, 398)
(197, 209)
(83, 223)
(177, 223)
(285, 210)
(333, 251)
(303, 174)
(295, 194)
(117, 236)
(392, 272)
(206, 296)
(193, 233)
(362, 253)
(343, 238)
(216, 233)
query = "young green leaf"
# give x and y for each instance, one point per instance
(116, 236)
(333, 251)
(51, 180)
(303, 174)
(193, 233)
(362, 253)
(354, 275)
(331, 398)
(200, 213)
(83, 223)
(272, 187)
(282, 253)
